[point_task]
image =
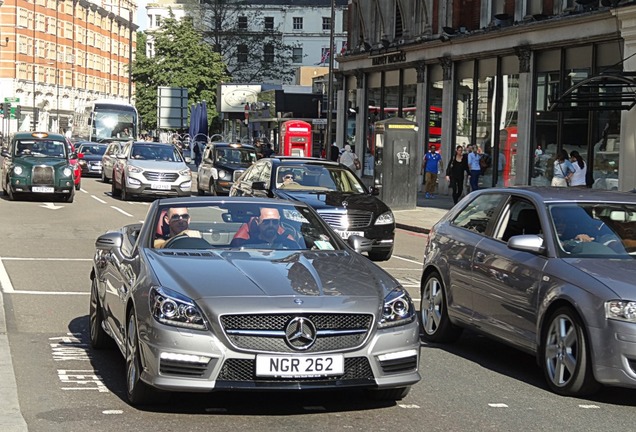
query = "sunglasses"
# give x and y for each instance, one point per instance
(176, 217)
(288, 177)
(270, 221)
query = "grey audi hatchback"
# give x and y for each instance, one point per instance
(550, 271)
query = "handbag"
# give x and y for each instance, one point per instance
(357, 164)
(567, 180)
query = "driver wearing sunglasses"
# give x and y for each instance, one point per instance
(264, 230)
(178, 219)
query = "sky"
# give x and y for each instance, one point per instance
(142, 18)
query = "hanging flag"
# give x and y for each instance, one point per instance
(325, 56)
(344, 48)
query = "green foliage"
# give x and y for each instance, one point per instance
(181, 59)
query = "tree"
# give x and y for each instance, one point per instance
(251, 46)
(181, 59)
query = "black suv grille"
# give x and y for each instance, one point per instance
(347, 220)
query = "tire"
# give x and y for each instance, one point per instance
(124, 193)
(69, 197)
(78, 186)
(137, 391)
(113, 189)
(10, 193)
(104, 178)
(99, 337)
(565, 355)
(380, 256)
(393, 394)
(436, 325)
(212, 189)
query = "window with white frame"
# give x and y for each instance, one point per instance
(242, 23)
(268, 53)
(326, 23)
(269, 23)
(297, 55)
(297, 23)
(241, 53)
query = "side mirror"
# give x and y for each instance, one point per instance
(80, 155)
(259, 185)
(72, 156)
(374, 191)
(227, 217)
(188, 159)
(120, 156)
(527, 243)
(5, 153)
(109, 241)
(360, 244)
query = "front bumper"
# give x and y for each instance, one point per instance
(222, 187)
(91, 170)
(197, 361)
(138, 185)
(614, 353)
(20, 186)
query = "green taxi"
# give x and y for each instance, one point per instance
(38, 163)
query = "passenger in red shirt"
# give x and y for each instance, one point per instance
(264, 231)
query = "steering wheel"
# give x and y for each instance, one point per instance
(184, 241)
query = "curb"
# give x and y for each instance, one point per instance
(412, 228)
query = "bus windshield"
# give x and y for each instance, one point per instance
(113, 123)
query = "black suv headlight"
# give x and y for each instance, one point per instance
(398, 309)
(171, 308)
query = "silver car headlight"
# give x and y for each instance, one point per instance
(398, 309)
(621, 310)
(385, 218)
(17, 170)
(174, 309)
(134, 169)
(185, 173)
(68, 171)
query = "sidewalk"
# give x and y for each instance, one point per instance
(425, 215)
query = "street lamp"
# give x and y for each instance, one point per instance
(330, 75)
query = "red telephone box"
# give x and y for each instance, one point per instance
(295, 137)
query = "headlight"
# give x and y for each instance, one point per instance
(385, 218)
(171, 308)
(621, 310)
(223, 174)
(398, 309)
(17, 170)
(185, 172)
(67, 172)
(134, 169)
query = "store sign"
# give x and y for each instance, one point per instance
(397, 57)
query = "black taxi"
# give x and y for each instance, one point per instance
(221, 165)
(38, 163)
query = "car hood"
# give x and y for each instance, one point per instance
(616, 275)
(92, 157)
(49, 161)
(216, 274)
(329, 200)
(158, 165)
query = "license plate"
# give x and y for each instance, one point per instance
(299, 366)
(160, 186)
(346, 234)
(42, 189)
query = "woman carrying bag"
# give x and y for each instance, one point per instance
(563, 170)
(457, 166)
(580, 170)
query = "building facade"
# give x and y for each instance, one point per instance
(522, 79)
(56, 56)
(303, 24)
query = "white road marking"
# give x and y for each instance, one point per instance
(398, 268)
(110, 412)
(51, 206)
(98, 199)
(409, 406)
(498, 405)
(44, 259)
(589, 406)
(5, 281)
(82, 190)
(408, 260)
(121, 211)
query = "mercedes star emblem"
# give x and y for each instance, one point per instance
(300, 333)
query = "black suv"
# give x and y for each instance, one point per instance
(221, 165)
(336, 193)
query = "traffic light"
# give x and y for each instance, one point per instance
(18, 111)
(8, 106)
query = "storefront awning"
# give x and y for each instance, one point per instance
(605, 92)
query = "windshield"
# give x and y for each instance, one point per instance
(40, 148)
(319, 178)
(162, 152)
(242, 225)
(109, 124)
(595, 230)
(92, 149)
(229, 155)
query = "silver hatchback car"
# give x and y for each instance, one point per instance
(150, 169)
(550, 271)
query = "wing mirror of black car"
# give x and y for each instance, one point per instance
(188, 159)
(120, 156)
(259, 185)
(227, 217)
(4, 153)
(527, 243)
(109, 241)
(360, 244)
(374, 190)
(73, 156)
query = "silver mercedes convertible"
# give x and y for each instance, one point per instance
(247, 294)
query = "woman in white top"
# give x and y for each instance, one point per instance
(348, 158)
(580, 170)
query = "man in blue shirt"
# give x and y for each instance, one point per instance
(432, 160)
(475, 169)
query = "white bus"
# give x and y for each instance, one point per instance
(106, 120)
